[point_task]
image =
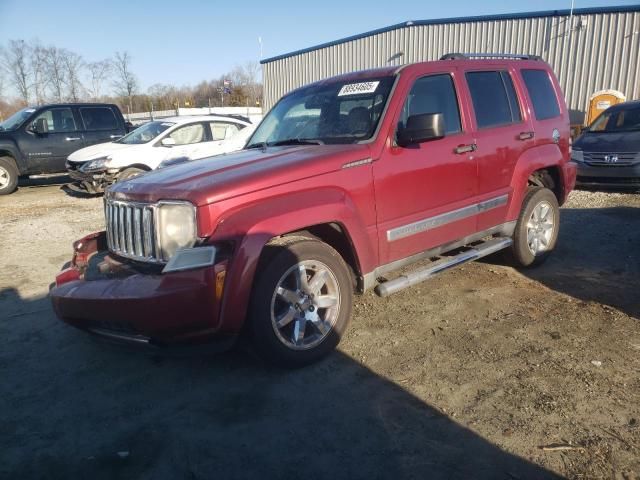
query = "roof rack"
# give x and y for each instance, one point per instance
(467, 56)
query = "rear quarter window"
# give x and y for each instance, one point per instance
(543, 97)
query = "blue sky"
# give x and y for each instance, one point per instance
(186, 41)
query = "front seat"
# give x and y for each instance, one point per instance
(359, 121)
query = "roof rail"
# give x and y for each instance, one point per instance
(467, 56)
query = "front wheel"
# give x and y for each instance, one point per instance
(8, 176)
(301, 301)
(537, 228)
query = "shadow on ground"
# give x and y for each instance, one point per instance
(597, 257)
(68, 405)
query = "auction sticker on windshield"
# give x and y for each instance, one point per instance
(358, 88)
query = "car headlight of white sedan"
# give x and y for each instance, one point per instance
(96, 164)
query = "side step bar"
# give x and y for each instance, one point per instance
(486, 248)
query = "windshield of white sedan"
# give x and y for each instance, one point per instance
(16, 119)
(618, 120)
(341, 112)
(145, 133)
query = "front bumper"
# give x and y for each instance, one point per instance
(108, 298)
(609, 176)
(92, 182)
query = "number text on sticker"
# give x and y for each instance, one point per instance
(358, 88)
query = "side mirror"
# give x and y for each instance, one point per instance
(421, 128)
(40, 126)
(168, 142)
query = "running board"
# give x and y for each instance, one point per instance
(482, 250)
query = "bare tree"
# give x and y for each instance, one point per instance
(73, 65)
(15, 62)
(56, 71)
(99, 72)
(126, 83)
(38, 64)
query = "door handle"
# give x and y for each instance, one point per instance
(526, 135)
(460, 149)
(115, 136)
(72, 139)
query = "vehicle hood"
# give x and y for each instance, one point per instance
(213, 179)
(609, 142)
(98, 151)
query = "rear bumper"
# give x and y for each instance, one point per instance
(609, 176)
(126, 306)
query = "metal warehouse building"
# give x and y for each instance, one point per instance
(590, 49)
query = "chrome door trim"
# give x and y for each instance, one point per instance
(445, 218)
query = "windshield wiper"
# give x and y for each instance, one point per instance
(262, 145)
(297, 141)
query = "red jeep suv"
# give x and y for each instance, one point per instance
(344, 182)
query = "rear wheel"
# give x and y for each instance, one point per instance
(536, 231)
(8, 175)
(301, 302)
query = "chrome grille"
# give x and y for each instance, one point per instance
(622, 159)
(131, 230)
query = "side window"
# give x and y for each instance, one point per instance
(188, 134)
(543, 97)
(433, 94)
(98, 118)
(59, 120)
(495, 102)
(222, 130)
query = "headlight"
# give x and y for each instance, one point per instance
(176, 227)
(97, 164)
(577, 155)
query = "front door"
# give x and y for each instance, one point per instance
(425, 192)
(48, 152)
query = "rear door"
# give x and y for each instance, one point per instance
(425, 193)
(100, 124)
(189, 140)
(218, 133)
(502, 132)
(48, 152)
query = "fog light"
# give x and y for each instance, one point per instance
(189, 258)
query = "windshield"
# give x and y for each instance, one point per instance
(618, 120)
(145, 133)
(15, 120)
(341, 112)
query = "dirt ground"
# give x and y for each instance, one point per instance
(483, 372)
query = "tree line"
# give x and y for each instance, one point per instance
(34, 74)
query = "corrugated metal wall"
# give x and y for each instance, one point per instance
(599, 51)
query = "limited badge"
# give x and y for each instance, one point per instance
(358, 88)
(556, 135)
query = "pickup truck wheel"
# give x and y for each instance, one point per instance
(8, 175)
(301, 302)
(536, 231)
(128, 173)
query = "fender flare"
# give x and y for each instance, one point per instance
(13, 152)
(252, 226)
(536, 158)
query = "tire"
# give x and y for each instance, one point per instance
(8, 176)
(128, 173)
(540, 218)
(308, 331)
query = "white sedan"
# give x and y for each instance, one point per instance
(153, 145)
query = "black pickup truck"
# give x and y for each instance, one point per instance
(38, 140)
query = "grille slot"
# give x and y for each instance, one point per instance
(623, 159)
(131, 230)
